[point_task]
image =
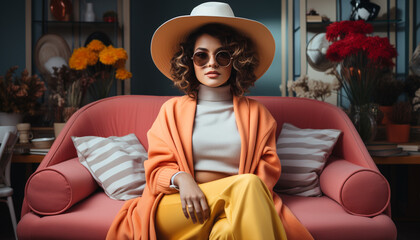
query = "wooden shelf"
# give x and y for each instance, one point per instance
(27, 158)
(397, 160)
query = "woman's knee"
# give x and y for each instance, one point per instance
(249, 179)
(252, 183)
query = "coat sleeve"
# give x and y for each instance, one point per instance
(268, 164)
(162, 162)
(269, 168)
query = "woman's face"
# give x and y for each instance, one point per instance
(211, 74)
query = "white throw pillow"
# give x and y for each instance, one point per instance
(116, 163)
(303, 153)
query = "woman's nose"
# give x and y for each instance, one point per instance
(212, 61)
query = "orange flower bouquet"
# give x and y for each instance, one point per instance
(103, 63)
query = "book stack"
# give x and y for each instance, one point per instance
(384, 150)
(39, 151)
(409, 147)
(392, 149)
(313, 18)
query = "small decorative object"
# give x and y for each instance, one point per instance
(98, 35)
(50, 48)
(24, 130)
(61, 9)
(361, 62)
(103, 64)
(364, 10)
(315, 89)
(386, 93)
(20, 94)
(57, 128)
(316, 51)
(364, 120)
(42, 143)
(398, 130)
(110, 16)
(89, 14)
(313, 16)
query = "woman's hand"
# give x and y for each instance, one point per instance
(192, 198)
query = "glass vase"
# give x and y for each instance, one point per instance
(364, 120)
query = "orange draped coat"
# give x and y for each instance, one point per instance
(170, 151)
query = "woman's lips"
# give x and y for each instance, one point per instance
(212, 74)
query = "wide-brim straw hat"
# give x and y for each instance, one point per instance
(166, 39)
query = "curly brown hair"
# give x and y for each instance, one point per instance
(245, 60)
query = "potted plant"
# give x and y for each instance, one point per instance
(19, 96)
(386, 93)
(398, 130)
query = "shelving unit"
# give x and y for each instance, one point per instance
(39, 21)
(398, 28)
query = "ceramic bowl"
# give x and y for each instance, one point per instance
(42, 142)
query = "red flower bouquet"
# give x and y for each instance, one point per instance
(362, 59)
(361, 62)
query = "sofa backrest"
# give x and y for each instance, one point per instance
(121, 115)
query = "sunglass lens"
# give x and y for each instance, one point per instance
(223, 58)
(200, 58)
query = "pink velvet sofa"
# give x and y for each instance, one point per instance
(62, 200)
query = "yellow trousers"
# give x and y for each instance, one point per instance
(241, 207)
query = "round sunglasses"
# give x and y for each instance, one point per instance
(223, 58)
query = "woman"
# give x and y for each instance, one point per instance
(214, 146)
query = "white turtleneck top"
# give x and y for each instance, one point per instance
(216, 140)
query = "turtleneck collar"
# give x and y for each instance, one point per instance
(214, 94)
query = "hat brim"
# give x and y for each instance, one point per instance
(166, 39)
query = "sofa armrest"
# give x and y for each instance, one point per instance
(55, 189)
(360, 191)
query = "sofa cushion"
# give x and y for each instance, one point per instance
(325, 219)
(359, 190)
(55, 189)
(303, 153)
(116, 163)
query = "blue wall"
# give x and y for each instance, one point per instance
(12, 37)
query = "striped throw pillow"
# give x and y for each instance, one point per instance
(303, 153)
(116, 163)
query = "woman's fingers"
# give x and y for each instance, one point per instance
(184, 209)
(190, 209)
(205, 208)
(198, 211)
